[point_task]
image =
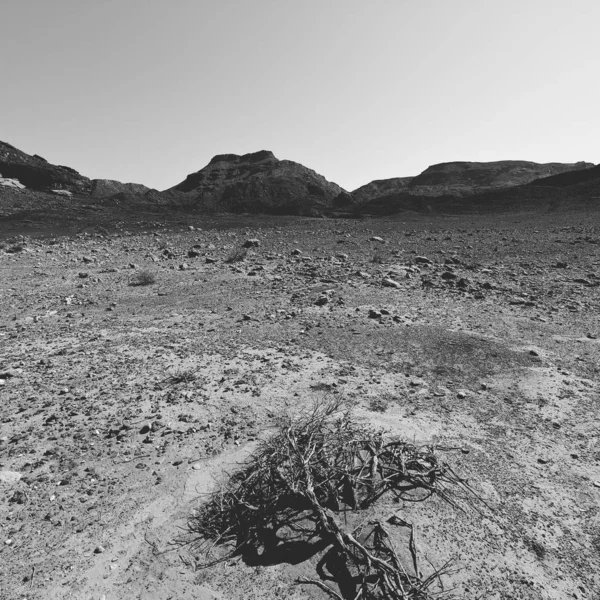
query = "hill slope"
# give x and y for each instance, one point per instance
(36, 173)
(465, 178)
(381, 187)
(570, 178)
(257, 182)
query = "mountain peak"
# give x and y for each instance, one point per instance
(258, 181)
(251, 157)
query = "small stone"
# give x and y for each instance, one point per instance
(321, 300)
(99, 549)
(387, 282)
(461, 395)
(423, 260)
(374, 314)
(210, 261)
(83, 275)
(375, 238)
(296, 252)
(251, 243)
(533, 353)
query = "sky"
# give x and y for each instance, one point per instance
(150, 90)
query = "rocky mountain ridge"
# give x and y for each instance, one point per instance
(257, 182)
(20, 170)
(466, 178)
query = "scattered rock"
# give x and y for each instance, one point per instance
(423, 260)
(388, 282)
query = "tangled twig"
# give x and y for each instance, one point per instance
(317, 467)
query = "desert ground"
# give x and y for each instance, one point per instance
(140, 363)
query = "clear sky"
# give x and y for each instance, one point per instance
(149, 90)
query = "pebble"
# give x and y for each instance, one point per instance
(387, 282)
(423, 260)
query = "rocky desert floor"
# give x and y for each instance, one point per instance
(139, 364)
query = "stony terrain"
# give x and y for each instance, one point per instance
(140, 361)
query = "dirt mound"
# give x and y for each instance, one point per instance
(37, 173)
(258, 182)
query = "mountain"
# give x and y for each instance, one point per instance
(465, 178)
(257, 182)
(36, 173)
(19, 170)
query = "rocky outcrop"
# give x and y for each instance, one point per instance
(12, 183)
(258, 182)
(381, 187)
(109, 187)
(465, 178)
(36, 173)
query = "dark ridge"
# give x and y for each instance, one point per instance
(249, 158)
(570, 178)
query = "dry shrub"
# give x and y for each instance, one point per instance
(144, 278)
(379, 257)
(237, 255)
(292, 491)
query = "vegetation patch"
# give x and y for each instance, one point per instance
(144, 278)
(294, 494)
